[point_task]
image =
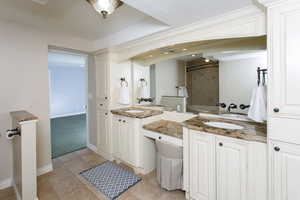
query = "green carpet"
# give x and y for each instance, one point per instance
(68, 134)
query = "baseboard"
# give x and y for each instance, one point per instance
(44, 170)
(17, 192)
(40, 171)
(105, 155)
(67, 115)
(92, 147)
(5, 183)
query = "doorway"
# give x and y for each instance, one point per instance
(68, 101)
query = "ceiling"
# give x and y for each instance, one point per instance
(75, 17)
(136, 18)
(181, 12)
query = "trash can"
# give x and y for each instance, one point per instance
(169, 165)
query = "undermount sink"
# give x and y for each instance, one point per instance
(134, 111)
(224, 125)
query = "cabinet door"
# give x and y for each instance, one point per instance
(103, 131)
(124, 137)
(202, 166)
(102, 77)
(284, 171)
(231, 164)
(284, 48)
(116, 121)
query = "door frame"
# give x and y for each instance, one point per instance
(86, 55)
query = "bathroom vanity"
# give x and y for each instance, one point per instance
(224, 157)
(224, 164)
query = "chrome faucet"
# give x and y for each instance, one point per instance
(232, 106)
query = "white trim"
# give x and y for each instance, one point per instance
(68, 115)
(92, 147)
(16, 191)
(44, 170)
(6, 183)
(40, 171)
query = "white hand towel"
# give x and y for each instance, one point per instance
(124, 95)
(258, 104)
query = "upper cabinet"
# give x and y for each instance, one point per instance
(284, 48)
(102, 80)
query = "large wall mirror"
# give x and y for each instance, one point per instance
(202, 76)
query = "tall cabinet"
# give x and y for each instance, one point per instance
(284, 98)
(104, 140)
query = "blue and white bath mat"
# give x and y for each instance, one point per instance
(110, 179)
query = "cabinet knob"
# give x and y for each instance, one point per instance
(124, 121)
(120, 120)
(220, 144)
(101, 104)
(106, 98)
(106, 113)
(159, 137)
(276, 148)
(276, 110)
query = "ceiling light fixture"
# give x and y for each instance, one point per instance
(193, 55)
(184, 49)
(206, 60)
(150, 56)
(105, 7)
(166, 53)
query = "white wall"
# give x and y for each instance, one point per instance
(168, 75)
(24, 84)
(237, 78)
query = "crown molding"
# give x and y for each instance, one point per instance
(271, 3)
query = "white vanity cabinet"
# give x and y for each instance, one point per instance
(231, 169)
(125, 140)
(284, 160)
(223, 168)
(284, 97)
(103, 136)
(201, 166)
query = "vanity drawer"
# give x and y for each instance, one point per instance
(163, 137)
(284, 129)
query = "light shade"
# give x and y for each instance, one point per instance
(105, 7)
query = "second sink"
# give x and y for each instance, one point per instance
(224, 125)
(134, 111)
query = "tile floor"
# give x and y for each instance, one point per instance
(64, 183)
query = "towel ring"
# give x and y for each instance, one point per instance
(142, 80)
(123, 80)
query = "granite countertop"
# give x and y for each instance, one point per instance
(146, 112)
(253, 131)
(22, 116)
(166, 127)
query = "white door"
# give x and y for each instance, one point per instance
(284, 48)
(116, 122)
(124, 138)
(103, 131)
(284, 171)
(101, 79)
(231, 164)
(202, 166)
